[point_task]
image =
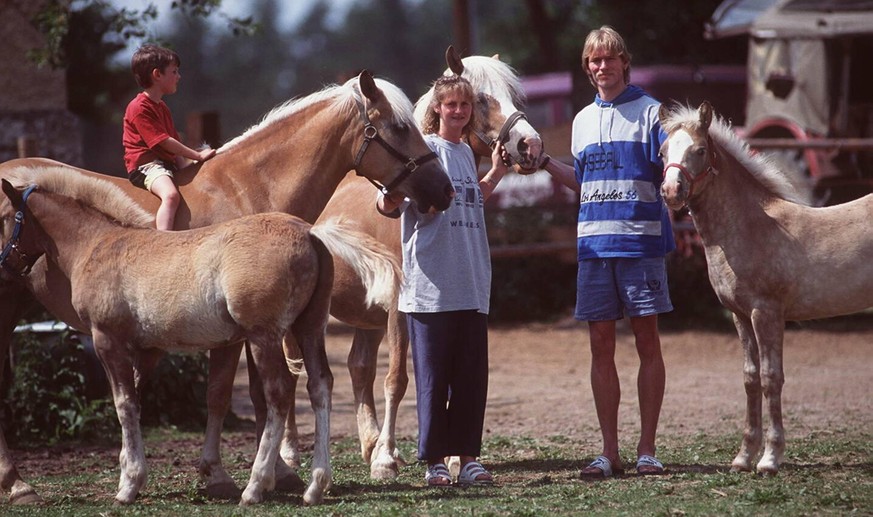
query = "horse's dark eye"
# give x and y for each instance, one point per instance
(701, 151)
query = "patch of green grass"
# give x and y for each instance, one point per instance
(825, 473)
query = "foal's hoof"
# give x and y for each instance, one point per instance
(25, 498)
(224, 491)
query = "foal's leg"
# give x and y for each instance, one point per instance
(752, 379)
(386, 457)
(287, 476)
(269, 359)
(222, 371)
(11, 309)
(118, 364)
(288, 461)
(320, 388)
(770, 331)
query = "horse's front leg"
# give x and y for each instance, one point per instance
(11, 309)
(752, 380)
(269, 360)
(770, 333)
(320, 388)
(118, 364)
(223, 364)
(362, 370)
(387, 459)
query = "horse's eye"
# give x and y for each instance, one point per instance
(701, 151)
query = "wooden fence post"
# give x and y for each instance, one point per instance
(27, 147)
(203, 126)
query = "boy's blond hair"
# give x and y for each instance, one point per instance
(605, 39)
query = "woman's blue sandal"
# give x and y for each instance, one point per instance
(474, 474)
(438, 475)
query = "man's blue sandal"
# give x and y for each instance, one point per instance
(649, 466)
(600, 468)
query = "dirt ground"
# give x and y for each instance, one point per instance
(539, 383)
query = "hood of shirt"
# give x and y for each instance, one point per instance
(631, 93)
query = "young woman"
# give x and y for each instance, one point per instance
(446, 292)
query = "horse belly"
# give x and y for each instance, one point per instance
(187, 328)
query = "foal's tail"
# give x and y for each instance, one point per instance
(372, 261)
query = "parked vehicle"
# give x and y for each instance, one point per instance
(810, 90)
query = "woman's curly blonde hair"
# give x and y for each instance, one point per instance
(442, 88)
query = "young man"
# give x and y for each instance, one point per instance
(623, 236)
(152, 150)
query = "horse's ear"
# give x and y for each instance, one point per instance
(705, 112)
(496, 56)
(10, 192)
(663, 114)
(368, 86)
(453, 60)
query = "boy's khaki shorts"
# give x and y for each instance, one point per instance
(145, 175)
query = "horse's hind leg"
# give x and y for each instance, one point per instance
(752, 380)
(386, 457)
(222, 371)
(11, 309)
(269, 359)
(320, 387)
(770, 332)
(288, 465)
(118, 364)
(288, 461)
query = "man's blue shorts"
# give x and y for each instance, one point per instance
(609, 288)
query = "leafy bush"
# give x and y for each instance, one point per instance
(48, 400)
(58, 391)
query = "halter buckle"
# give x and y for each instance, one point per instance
(411, 165)
(370, 131)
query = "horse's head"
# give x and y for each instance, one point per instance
(19, 251)
(500, 101)
(401, 162)
(688, 153)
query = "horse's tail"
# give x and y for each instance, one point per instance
(371, 260)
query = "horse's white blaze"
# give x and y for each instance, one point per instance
(678, 146)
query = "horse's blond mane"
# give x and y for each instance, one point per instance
(760, 166)
(490, 74)
(486, 74)
(100, 194)
(344, 96)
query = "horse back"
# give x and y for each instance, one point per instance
(199, 288)
(809, 262)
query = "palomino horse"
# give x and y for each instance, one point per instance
(500, 93)
(255, 278)
(291, 162)
(769, 259)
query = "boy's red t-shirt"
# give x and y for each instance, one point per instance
(146, 124)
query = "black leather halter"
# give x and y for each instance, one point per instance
(23, 263)
(371, 134)
(503, 135)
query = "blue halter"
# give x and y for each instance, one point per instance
(12, 245)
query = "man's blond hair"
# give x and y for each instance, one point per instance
(605, 39)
